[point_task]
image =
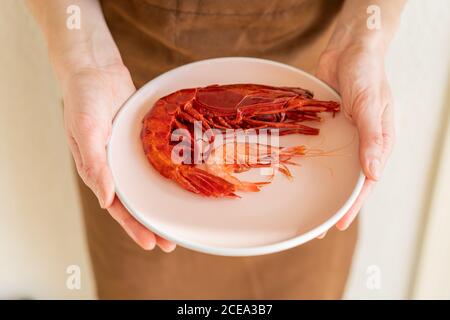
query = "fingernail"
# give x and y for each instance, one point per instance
(375, 169)
(167, 250)
(341, 227)
(102, 204)
(144, 245)
(321, 236)
(100, 200)
(150, 246)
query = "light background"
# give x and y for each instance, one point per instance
(41, 231)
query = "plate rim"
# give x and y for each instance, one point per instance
(233, 251)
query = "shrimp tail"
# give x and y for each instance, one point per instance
(202, 182)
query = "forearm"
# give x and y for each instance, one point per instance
(71, 50)
(355, 23)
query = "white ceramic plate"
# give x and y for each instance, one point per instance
(283, 215)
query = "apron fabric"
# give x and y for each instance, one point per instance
(158, 35)
(154, 36)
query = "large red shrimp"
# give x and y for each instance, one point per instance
(226, 107)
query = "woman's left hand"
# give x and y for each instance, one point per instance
(357, 73)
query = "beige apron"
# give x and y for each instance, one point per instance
(155, 36)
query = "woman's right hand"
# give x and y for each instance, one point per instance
(92, 97)
(95, 84)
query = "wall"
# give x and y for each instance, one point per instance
(432, 276)
(418, 67)
(41, 229)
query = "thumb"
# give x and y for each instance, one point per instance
(369, 124)
(94, 169)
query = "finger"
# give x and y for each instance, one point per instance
(322, 235)
(367, 115)
(73, 146)
(388, 142)
(165, 245)
(140, 234)
(388, 125)
(95, 171)
(351, 214)
(326, 70)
